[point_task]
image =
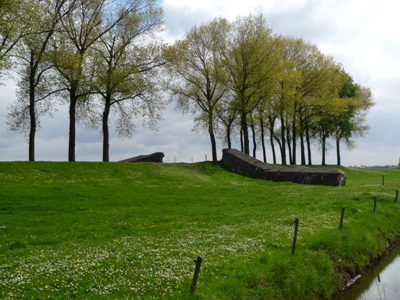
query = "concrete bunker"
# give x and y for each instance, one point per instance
(242, 163)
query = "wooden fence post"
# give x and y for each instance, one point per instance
(374, 203)
(296, 229)
(196, 274)
(397, 195)
(383, 179)
(341, 218)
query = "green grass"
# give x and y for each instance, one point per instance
(132, 231)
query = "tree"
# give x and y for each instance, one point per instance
(82, 27)
(350, 123)
(261, 118)
(266, 113)
(281, 105)
(125, 61)
(195, 64)
(249, 59)
(227, 113)
(302, 89)
(270, 115)
(343, 123)
(34, 65)
(330, 106)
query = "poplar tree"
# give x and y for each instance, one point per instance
(126, 60)
(81, 29)
(33, 66)
(351, 121)
(197, 77)
(249, 60)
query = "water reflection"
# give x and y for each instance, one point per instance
(385, 286)
(382, 283)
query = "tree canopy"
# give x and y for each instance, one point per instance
(236, 75)
(239, 81)
(81, 52)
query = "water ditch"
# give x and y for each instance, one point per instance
(382, 282)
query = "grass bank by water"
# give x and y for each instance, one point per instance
(132, 231)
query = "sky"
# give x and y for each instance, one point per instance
(362, 36)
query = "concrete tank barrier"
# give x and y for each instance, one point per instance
(241, 163)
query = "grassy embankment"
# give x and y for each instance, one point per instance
(132, 231)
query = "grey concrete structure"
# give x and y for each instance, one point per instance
(239, 162)
(154, 157)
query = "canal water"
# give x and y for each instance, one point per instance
(381, 283)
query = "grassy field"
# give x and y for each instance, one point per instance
(133, 231)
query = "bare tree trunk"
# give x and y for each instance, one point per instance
(271, 140)
(106, 134)
(323, 149)
(263, 140)
(228, 137)
(289, 140)
(229, 131)
(302, 150)
(32, 113)
(283, 140)
(241, 140)
(213, 147)
(212, 138)
(308, 140)
(72, 126)
(280, 144)
(32, 130)
(338, 152)
(294, 140)
(245, 131)
(253, 131)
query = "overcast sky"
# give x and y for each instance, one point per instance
(363, 36)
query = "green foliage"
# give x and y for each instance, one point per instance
(34, 84)
(132, 231)
(231, 75)
(195, 75)
(237, 75)
(62, 47)
(126, 59)
(11, 29)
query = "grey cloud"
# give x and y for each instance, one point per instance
(309, 24)
(180, 20)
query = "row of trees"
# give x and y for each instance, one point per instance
(237, 77)
(93, 55)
